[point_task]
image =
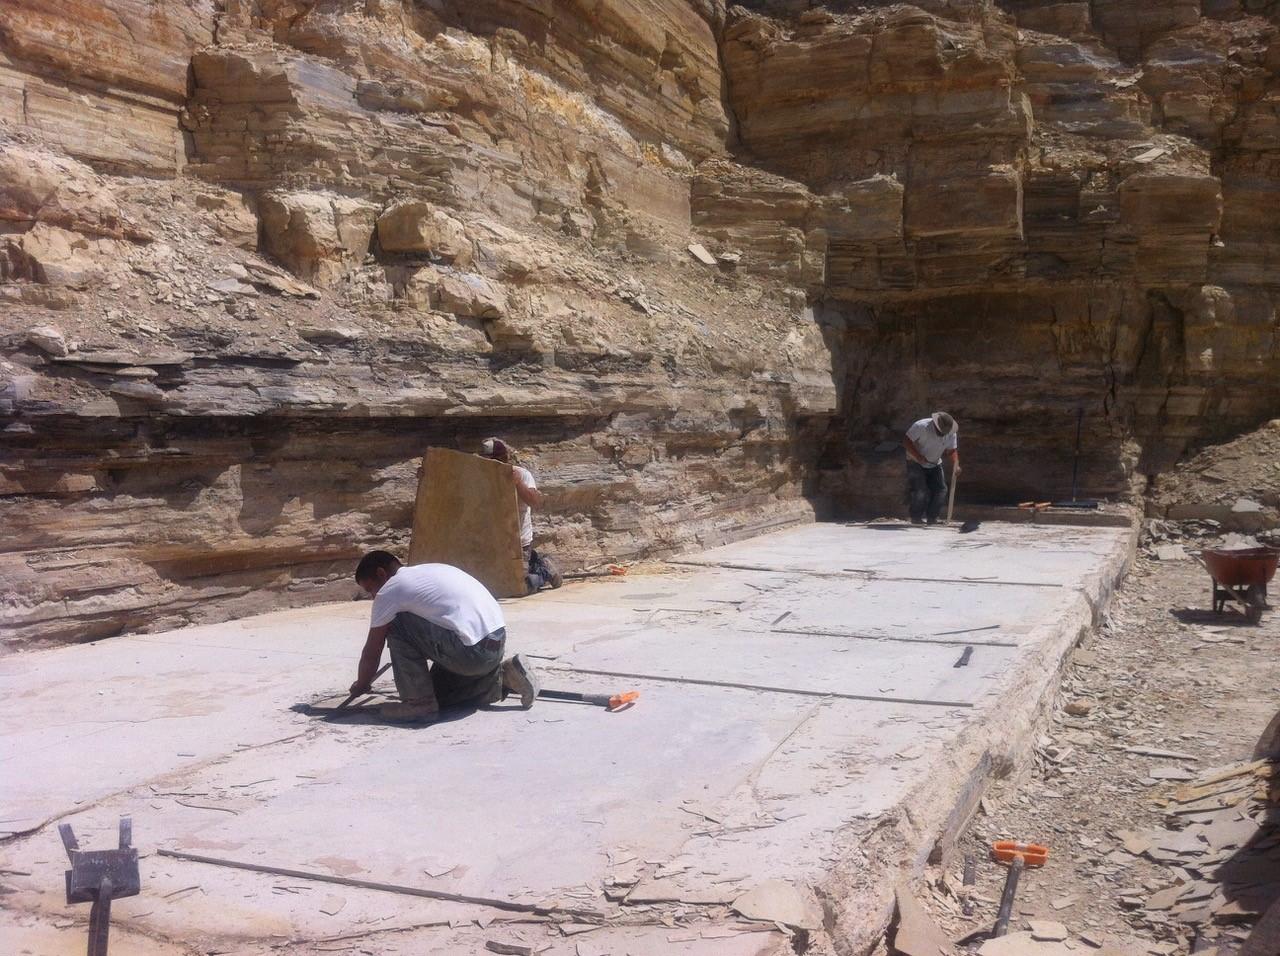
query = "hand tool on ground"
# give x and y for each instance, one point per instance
(951, 495)
(610, 702)
(1018, 856)
(611, 570)
(381, 670)
(970, 878)
(1075, 473)
(100, 876)
(970, 526)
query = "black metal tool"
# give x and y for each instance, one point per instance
(382, 670)
(100, 876)
(610, 702)
(965, 656)
(1006, 898)
(970, 878)
(1075, 502)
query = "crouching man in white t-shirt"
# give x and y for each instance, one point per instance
(446, 635)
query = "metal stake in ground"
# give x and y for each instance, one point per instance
(99, 876)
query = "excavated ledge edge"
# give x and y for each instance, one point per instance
(925, 825)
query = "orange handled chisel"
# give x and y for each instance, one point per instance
(611, 703)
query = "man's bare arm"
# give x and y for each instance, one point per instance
(912, 451)
(530, 496)
(953, 454)
(369, 658)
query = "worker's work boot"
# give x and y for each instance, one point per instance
(518, 678)
(408, 713)
(551, 572)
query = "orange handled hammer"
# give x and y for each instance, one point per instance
(610, 702)
(1018, 856)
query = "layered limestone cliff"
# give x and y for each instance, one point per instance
(256, 255)
(1025, 209)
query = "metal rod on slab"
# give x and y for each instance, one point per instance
(509, 905)
(382, 670)
(770, 690)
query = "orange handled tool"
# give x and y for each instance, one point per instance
(1018, 856)
(1032, 854)
(610, 702)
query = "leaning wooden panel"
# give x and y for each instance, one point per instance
(465, 515)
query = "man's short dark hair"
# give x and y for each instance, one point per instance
(373, 562)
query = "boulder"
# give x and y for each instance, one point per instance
(319, 236)
(464, 294)
(54, 256)
(470, 295)
(36, 186)
(48, 339)
(417, 226)
(233, 216)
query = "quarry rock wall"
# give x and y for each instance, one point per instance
(256, 255)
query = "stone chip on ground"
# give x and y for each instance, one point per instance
(1024, 944)
(1050, 931)
(917, 934)
(781, 902)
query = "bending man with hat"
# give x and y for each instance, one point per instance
(927, 442)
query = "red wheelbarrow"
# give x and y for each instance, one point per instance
(1240, 575)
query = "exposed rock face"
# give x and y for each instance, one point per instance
(1081, 225)
(256, 256)
(484, 231)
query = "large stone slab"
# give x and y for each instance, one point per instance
(752, 754)
(465, 515)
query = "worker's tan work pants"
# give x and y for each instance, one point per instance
(431, 662)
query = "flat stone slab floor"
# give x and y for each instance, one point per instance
(818, 708)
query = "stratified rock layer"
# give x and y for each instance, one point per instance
(256, 256)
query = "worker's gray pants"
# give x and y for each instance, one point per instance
(431, 662)
(926, 492)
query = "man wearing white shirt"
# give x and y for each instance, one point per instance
(927, 442)
(540, 569)
(446, 635)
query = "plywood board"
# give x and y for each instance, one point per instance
(465, 515)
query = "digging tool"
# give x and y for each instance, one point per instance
(951, 495)
(611, 570)
(1075, 502)
(346, 703)
(970, 878)
(1019, 856)
(610, 702)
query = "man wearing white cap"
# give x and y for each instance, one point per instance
(927, 442)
